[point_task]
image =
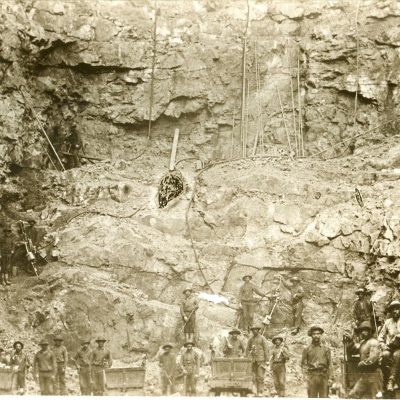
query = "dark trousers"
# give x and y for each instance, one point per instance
(59, 380)
(85, 381)
(46, 383)
(258, 374)
(190, 384)
(248, 309)
(167, 382)
(391, 365)
(279, 377)
(98, 380)
(297, 314)
(20, 380)
(367, 386)
(317, 385)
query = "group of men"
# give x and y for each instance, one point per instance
(49, 367)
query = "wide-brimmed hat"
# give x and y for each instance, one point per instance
(235, 330)
(315, 328)
(15, 344)
(187, 343)
(187, 290)
(44, 342)
(394, 303)
(101, 339)
(255, 327)
(85, 341)
(360, 290)
(167, 345)
(362, 326)
(275, 338)
(246, 276)
(58, 338)
(295, 279)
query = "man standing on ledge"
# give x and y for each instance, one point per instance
(316, 365)
(248, 302)
(297, 294)
(188, 310)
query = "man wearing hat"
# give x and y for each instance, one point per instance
(82, 363)
(362, 308)
(248, 302)
(44, 368)
(370, 381)
(278, 360)
(389, 341)
(297, 294)
(257, 350)
(60, 351)
(188, 310)
(167, 363)
(316, 364)
(19, 363)
(190, 364)
(233, 346)
(6, 256)
(100, 359)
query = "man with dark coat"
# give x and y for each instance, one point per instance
(248, 302)
(316, 364)
(44, 368)
(370, 382)
(82, 363)
(20, 364)
(167, 363)
(188, 310)
(6, 256)
(233, 346)
(297, 294)
(362, 308)
(278, 360)
(190, 364)
(100, 359)
(257, 350)
(60, 351)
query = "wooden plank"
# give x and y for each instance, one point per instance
(173, 151)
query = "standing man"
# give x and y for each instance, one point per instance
(6, 256)
(82, 363)
(100, 359)
(233, 346)
(316, 364)
(167, 363)
(257, 350)
(370, 382)
(188, 310)
(297, 294)
(390, 345)
(362, 308)
(19, 362)
(248, 302)
(44, 368)
(74, 145)
(60, 351)
(190, 364)
(278, 365)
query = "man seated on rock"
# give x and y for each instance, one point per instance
(362, 308)
(233, 346)
(389, 341)
(370, 382)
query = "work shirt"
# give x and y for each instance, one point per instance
(247, 291)
(19, 360)
(82, 357)
(362, 311)
(188, 306)
(190, 361)
(4, 360)
(389, 330)
(61, 354)
(279, 354)
(369, 352)
(101, 358)
(316, 357)
(233, 347)
(44, 361)
(167, 363)
(257, 348)
(297, 294)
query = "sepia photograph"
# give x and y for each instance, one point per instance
(200, 198)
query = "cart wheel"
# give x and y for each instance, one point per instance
(243, 393)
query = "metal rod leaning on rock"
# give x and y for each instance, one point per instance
(374, 315)
(297, 152)
(284, 120)
(173, 150)
(42, 128)
(301, 138)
